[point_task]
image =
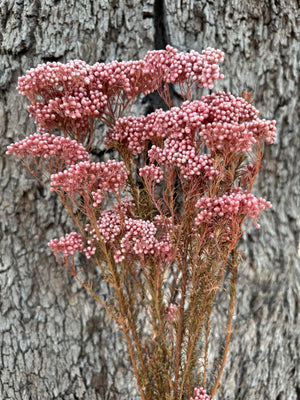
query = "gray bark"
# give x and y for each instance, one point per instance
(55, 342)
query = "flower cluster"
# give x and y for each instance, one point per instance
(177, 123)
(63, 96)
(182, 154)
(220, 121)
(65, 150)
(67, 244)
(200, 394)
(139, 239)
(130, 236)
(52, 75)
(143, 238)
(178, 126)
(230, 206)
(232, 124)
(152, 173)
(86, 177)
(175, 67)
(172, 313)
(109, 226)
(69, 96)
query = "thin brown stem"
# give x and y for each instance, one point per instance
(207, 329)
(181, 327)
(230, 316)
(190, 353)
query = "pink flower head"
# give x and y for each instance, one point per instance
(130, 236)
(67, 244)
(63, 96)
(152, 173)
(60, 149)
(230, 206)
(86, 177)
(116, 77)
(143, 238)
(52, 75)
(232, 124)
(69, 96)
(200, 394)
(110, 226)
(177, 124)
(129, 131)
(139, 237)
(175, 67)
(182, 154)
(172, 313)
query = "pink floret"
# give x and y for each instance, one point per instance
(200, 394)
(67, 244)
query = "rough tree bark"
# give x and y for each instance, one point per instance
(55, 342)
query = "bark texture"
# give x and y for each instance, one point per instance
(55, 342)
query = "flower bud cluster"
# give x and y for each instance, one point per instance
(37, 145)
(200, 394)
(52, 75)
(230, 206)
(177, 123)
(178, 67)
(220, 121)
(152, 173)
(182, 154)
(49, 115)
(225, 107)
(140, 239)
(86, 177)
(130, 236)
(69, 95)
(178, 126)
(67, 244)
(232, 124)
(172, 313)
(131, 132)
(128, 77)
(62, 95)
(109, 225)
(97, 197)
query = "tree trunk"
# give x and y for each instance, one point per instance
(56, 343)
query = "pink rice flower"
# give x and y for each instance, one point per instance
(200, 394)
(67, 244)
(152, 173)
(64, 150)
(86, 177)
(230, 206)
